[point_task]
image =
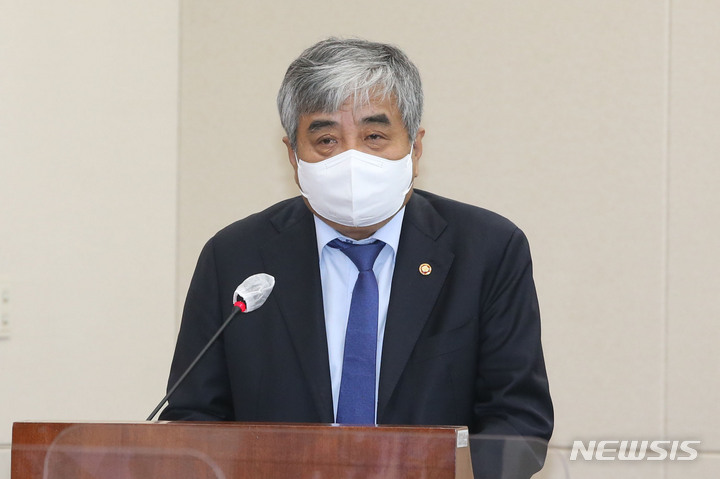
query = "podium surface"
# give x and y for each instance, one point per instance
(236, 450)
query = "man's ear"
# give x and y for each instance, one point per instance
(292, 158)
(417, 150)
(291, 152)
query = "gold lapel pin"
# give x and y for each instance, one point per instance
(425, 269)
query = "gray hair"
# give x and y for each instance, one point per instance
(328, 73)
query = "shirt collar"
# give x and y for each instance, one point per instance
(388, 234)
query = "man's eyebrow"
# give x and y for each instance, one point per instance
(319, 124)
(381, 118)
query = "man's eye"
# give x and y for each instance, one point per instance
(326, 141)
(374, 137)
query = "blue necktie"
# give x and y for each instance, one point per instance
(356, 404)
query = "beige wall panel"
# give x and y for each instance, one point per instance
(706, 466)
(88, 157)
(5, 463)
(615, 470)
(551, 113)
(694, 228)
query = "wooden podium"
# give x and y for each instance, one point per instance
(184, 450)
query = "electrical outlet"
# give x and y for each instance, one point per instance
(4, 311)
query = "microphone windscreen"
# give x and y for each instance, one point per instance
(254, 291)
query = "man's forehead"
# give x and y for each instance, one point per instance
(321, 122)
(382, 111)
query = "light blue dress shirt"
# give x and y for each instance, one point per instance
(338, 275)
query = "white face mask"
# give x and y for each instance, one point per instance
(356, 188)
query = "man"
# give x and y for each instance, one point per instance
(453, 335)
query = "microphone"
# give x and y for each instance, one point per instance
(249, 296)
(253, 292)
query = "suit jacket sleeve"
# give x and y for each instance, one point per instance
(205, 394)
(512, 395)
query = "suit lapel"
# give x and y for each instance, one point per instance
(413, 294)
(293, 255)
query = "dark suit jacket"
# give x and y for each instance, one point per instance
(462, 344)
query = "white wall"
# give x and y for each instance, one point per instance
(88, 174)
(591, 124)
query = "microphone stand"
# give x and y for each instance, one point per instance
(238, 308)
